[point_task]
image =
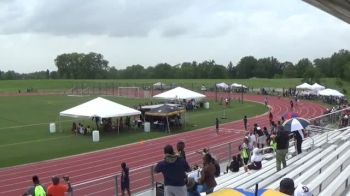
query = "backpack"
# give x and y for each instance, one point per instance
(217, 169)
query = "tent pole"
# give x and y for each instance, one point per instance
(167, 120)
(59, 123)
(118, 124)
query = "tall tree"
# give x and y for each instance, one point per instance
(246, 66)
(82, 66)
(302, 66)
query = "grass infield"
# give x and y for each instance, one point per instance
(25, 137)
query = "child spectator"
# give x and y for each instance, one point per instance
(244, 149)
(234, 165)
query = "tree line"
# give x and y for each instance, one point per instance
(94, 66)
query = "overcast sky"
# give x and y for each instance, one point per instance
(147, 32)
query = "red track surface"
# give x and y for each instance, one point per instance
(86, 167)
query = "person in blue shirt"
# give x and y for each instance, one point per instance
(174, 171)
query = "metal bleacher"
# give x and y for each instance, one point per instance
(323, 167)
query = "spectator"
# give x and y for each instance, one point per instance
(302, 190)
(245, 122)
(37, 188)
(298, 137)
(217, 125)
(273, 143)
(291, 104)
(282, 120)
(234, 165)
(57, 189)
(270, 118)
(180, 146)
(273, 128)
(174, 171)
(251, 140)
(282, 141)
(261, 137)
(267, 135)
(207, 180)
(287, 186)
(88, 129)
(192, 187)
(244, 149)
(240, 160)
(125, 180)
(255, 161)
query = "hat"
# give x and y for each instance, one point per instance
(302, 190)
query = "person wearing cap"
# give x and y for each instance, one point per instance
(302, 190)
(57, 189)
(287, 186)
(37, 188)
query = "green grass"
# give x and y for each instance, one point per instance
(60, 85)
(24, 124)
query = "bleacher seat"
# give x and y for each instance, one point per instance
(340, 184)
(302, 164)
(304, 176)
(326, 177)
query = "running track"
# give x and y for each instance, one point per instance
(139, 156)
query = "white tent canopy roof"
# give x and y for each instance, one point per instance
(99, 107)
(179, 93)
(330, 92)
(304, 86)
(235, 85)
(159, 84)
(222, 85)
(317, 87)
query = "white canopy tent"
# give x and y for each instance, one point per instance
(304, 86)
(159, 84)
(179, 93)
(222, 85)
(330, 92)
(235, 85)
(99, 107)
(317, 87)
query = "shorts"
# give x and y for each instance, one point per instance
(262, 139)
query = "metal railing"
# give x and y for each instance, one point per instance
(144, 178)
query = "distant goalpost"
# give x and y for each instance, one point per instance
(128, 91)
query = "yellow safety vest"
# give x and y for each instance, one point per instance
(244, 153)
(39, 191)
(273, 145)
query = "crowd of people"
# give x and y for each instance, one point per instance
(54, 189)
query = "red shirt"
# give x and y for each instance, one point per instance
(57, 190)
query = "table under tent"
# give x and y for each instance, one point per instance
(98, 109)
(165, 117)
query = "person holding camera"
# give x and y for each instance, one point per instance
(57, 189)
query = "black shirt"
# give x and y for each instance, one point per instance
(282, 140)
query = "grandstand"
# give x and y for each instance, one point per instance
(324, 166)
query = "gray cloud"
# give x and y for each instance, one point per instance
(95, 17)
